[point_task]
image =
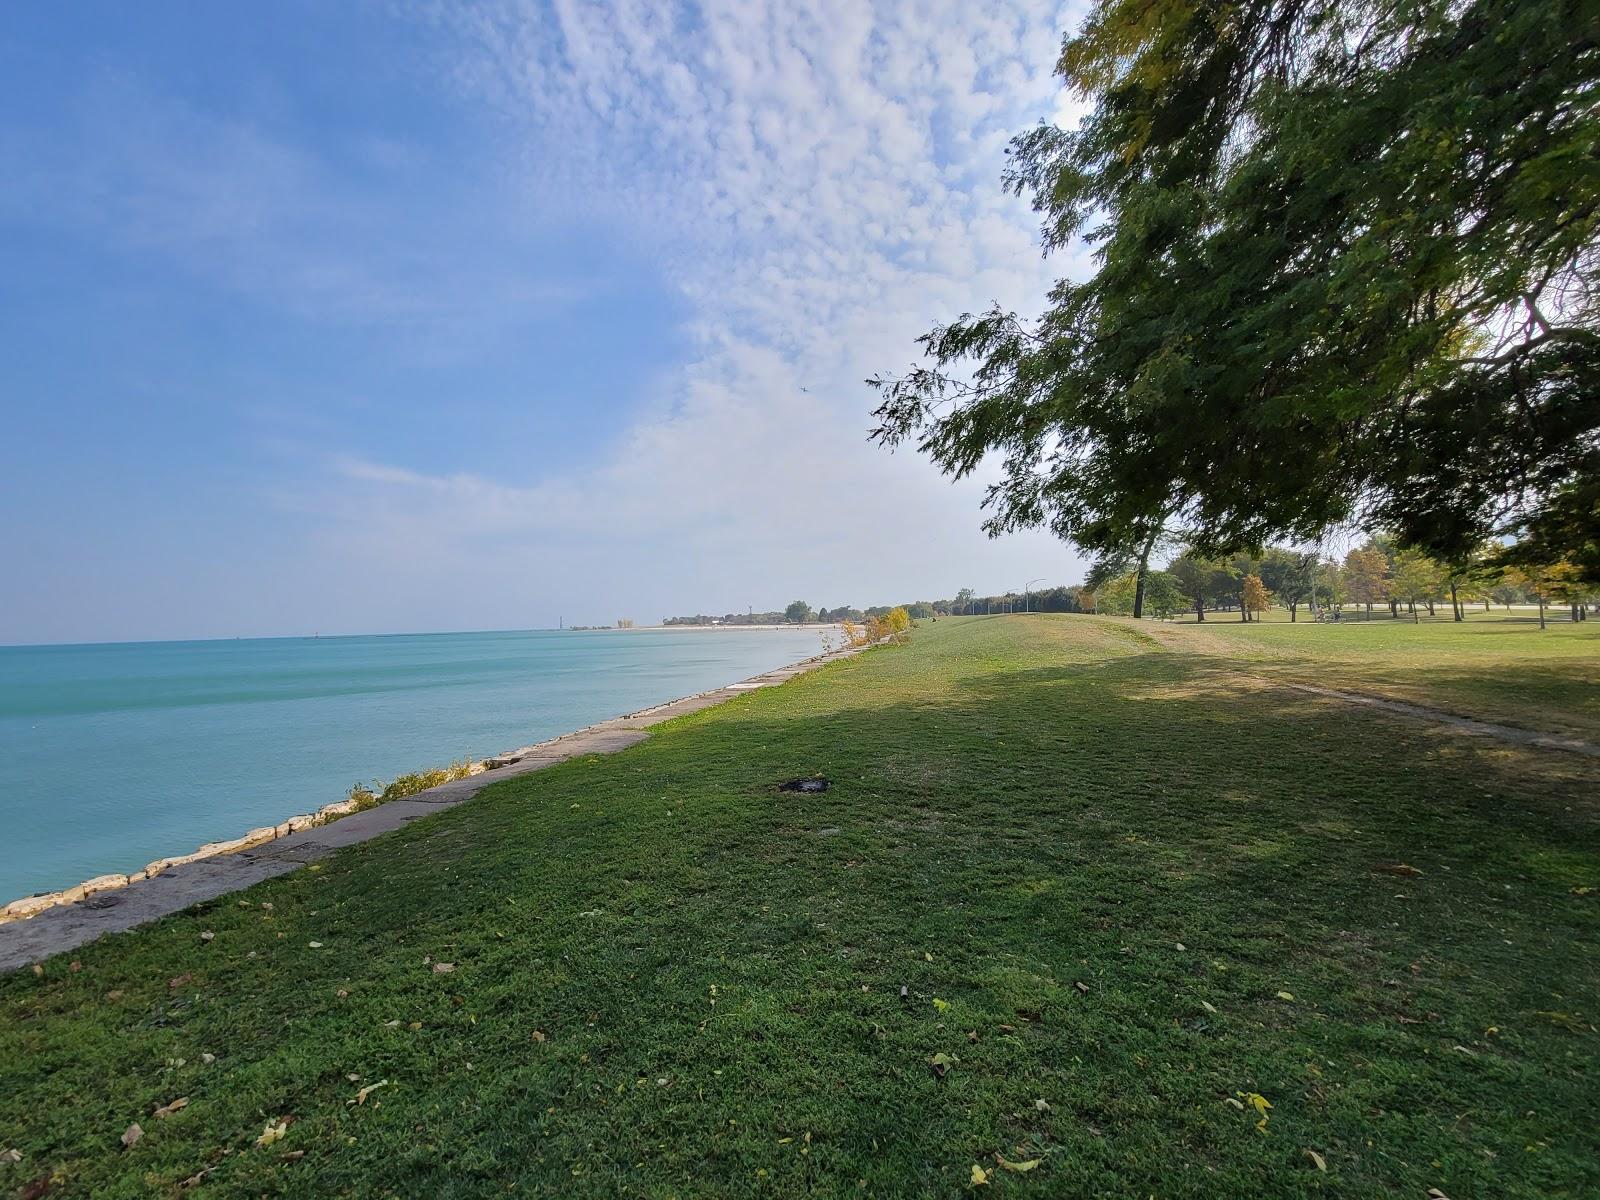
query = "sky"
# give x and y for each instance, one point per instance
(366, 317)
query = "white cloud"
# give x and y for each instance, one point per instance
(822, 183)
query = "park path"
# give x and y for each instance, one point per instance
(68, 926)
(1194, 641)
(1437, 716)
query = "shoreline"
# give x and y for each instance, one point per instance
(34, 927)
(31, 904)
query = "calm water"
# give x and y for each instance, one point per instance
(114, 755)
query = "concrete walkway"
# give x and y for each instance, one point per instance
(68, 926)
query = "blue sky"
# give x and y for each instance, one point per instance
(367, 317)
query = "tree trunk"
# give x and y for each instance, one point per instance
(1541, 612)
(1244, 613)
(1293, 608)
(1144, 566)
(1199, 610)
(1430, 608)
(1455, 605)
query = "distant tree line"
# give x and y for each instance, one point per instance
(1380, 573)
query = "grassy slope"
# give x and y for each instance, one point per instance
(1022, 805)
(1491, 666)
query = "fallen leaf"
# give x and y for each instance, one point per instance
(926, 956)
(1210, 1008)
(11, 1156)
(315, 945)
(1008, 1029)
(1582, 891)
(361, 1096)
(443, 968)
(178, 981)
(166, 1110)
(538, 1035)
(1042, 1105)
(197, 1178)
(391, 1024)
(941, 1005)
(207, 936)
(1317, 1160)
(342, 994)
(1256, 1101)
(131, 1134)
(1007, 1165)
(1180, 945)
(1436, 1194)
(1398, 869)
(1082, 987)
(972, 1035)
(38, 968)
(1285, 995)
(980, 1177)
(941, 1064)
(292, 1156)
(273, 1131)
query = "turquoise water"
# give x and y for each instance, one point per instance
(114, 755)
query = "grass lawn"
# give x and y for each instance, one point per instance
(1125, 892)
(1494, 666)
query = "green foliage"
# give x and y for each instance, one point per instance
(797, 612)
(1346, 265)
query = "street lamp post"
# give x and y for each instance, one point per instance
(1027, 596)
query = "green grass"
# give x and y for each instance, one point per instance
(1074, 837)
(1491, 666)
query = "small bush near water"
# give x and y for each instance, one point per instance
(365, 797)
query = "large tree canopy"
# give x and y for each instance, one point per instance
(1345, 269)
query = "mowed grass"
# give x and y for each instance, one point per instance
(1493, 666)
(1140, 891)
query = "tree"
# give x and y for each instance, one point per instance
(1415, 577)
(963, 601)
(1253, 597)
(1162, 595)
(1366, 576)
(1193, 577)
(1287, 575)
(797, 612)
(1346, 265)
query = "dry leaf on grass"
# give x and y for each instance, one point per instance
(361, 1096)
(1317, 1159)
(980, 1177)
(1008, 1165)
(539, 1035)
(273, 1131)
(443, 968)
(166, 1110)
(131, 1134)
(1397, 869)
